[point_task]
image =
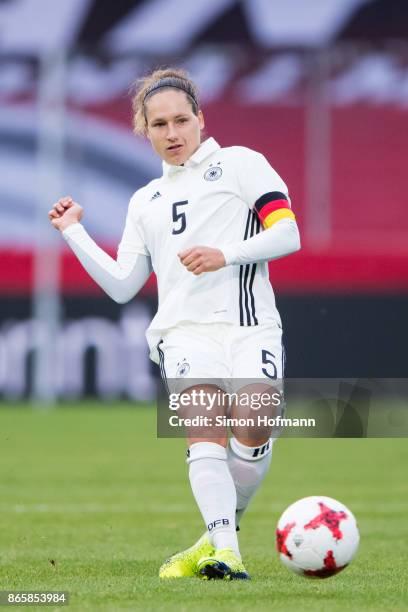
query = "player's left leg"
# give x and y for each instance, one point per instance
(258, 370)
(248, 466)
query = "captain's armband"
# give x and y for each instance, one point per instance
(272, 207)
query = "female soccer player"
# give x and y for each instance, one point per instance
(207, 227)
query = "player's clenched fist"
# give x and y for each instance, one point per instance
(64, 213)
(202, 259)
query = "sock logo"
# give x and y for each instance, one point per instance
(217, 523)
(261, 449)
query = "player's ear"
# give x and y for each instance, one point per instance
(201, 121)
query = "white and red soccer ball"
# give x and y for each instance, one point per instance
(317, 537)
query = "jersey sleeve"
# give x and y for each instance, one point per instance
(263, 190)
(133, 239)
(121, 279)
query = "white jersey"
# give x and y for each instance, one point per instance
(208, 201)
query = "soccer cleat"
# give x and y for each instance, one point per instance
(184, 564)
(223, 565)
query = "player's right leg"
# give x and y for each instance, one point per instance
(198, 351)
(216, 554)
(214, 490)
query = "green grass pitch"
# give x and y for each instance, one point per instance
(92, 502)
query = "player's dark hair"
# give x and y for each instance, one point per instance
(157, 81)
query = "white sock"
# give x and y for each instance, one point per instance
(248, 467)
(214, 492)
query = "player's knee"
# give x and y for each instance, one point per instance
(254, 412)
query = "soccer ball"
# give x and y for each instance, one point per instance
(317, 536)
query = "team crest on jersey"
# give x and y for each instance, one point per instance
(182, 369)
(213, 173)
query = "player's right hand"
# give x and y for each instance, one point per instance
(64, 213)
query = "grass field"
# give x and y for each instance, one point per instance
(92, 502)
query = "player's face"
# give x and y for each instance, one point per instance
(172, 127)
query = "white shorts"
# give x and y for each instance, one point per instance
(222, 351)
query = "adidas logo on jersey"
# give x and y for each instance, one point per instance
(155, 196)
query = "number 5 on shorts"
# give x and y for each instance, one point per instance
(267, 359)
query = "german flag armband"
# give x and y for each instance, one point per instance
(272, 207)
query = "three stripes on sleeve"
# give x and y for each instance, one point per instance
(270, 208)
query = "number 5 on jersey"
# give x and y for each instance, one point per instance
(179, 217)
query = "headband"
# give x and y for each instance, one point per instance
(175, 82)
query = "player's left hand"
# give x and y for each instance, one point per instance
(201, 259)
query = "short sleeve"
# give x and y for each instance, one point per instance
(262, 189)
(133, 240)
